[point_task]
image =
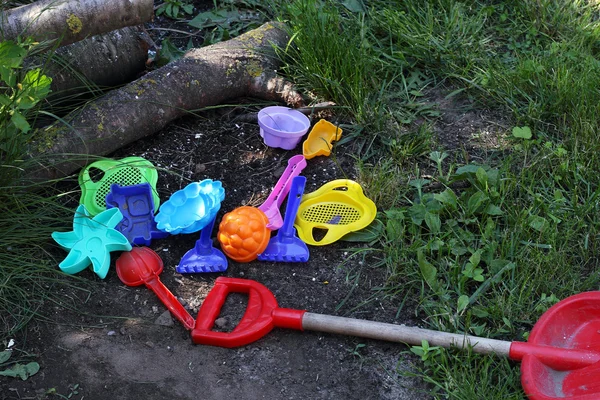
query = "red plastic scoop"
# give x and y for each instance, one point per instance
(141, 266)
(560, 360)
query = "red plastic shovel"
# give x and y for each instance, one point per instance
(141, 266)
(560, 360)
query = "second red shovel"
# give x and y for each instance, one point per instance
(141, 266)
(560, 360)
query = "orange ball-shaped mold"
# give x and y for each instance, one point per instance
(243, 233)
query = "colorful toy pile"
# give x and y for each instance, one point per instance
(119, 201)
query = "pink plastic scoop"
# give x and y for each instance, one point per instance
(271, 206)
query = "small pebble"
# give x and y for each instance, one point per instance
(200, 168)
(164, 319)
(111, 333)
(221, 322)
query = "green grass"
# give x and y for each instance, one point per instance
(485, 248)
(28, 275)
(29, 213)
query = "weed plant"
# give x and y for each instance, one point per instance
(28, 215)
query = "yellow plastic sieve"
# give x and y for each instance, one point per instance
(335, 209)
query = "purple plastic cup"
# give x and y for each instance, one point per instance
(282, 127)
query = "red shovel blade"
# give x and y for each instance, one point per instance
(572, 324)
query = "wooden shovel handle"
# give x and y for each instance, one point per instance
(558, 358)
(402, 334)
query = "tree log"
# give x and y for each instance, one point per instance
(72, 20)
(242, 67)
(93, 65)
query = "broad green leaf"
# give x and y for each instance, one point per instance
(458, 250)
(394, 227)
(478, 275)
(428, 271)
(419, 183)
(523, 132)
(431, 204)
(417, 213)
(32, 368)
(482, 177)
(475, 258)
(355, 6)
(476, 201)
(5, 100)
(435, 245)
(36, 87)
(467, 169)
(11, 54)
(538, 223)
(478, 329)
(463, 302)
(433, 222)
(493, 210)
(22, 371)
(20, 122)
(8, 76)
(4, 356)
(493, 175)
(437, 156)
(480, 312)
(446, 197)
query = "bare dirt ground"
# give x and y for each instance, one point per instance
(126, 345)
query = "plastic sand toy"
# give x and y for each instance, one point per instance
(203, 257)
(282, 127)
(243, 233)
(136, 204)
(191, 208)
(335, 209)
(91, 241)
(141, 266)
(125, 172)
(271, 206)
(285, 246)
(320, 138)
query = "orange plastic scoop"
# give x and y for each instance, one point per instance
(335, 209)
(318, 142)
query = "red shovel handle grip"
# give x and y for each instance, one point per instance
(261, 316)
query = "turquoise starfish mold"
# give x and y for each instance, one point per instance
(91, 241)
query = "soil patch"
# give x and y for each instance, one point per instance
(126, 346)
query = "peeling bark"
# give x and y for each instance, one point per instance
(72, 20)
(242, 67)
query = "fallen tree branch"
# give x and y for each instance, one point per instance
(94, 64)
(72, 20)
(242, 67)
